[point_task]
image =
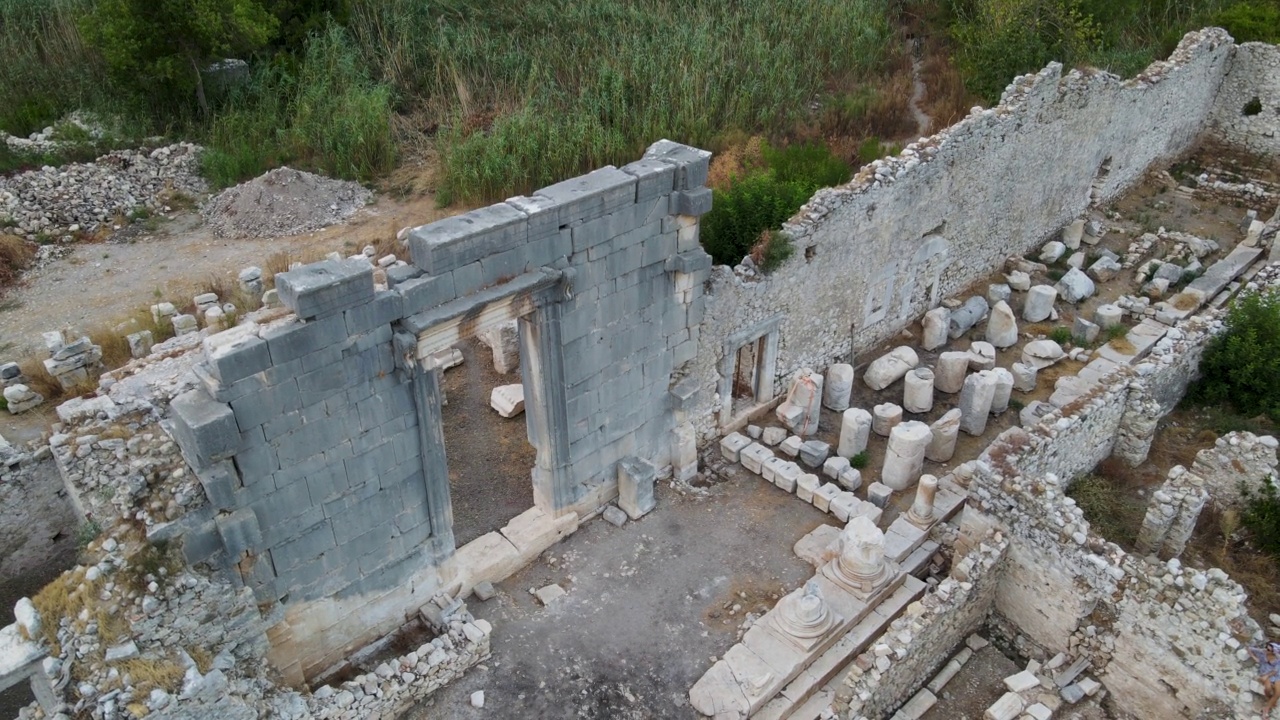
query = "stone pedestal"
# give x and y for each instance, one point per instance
(1024, 377)
(917, 391)
(884, 417)
(855, 430)
(1004, 388)
(1002, 326)
(948, 376)
(975, 401)
(946, 429)
(1107, 315)
(860, 568)
(836, 389)
(921, 512)
(800, 411)
(934, 327)
(888, 368)
(904, 459)
(635, 486)
(1039, 303)
(803, 618)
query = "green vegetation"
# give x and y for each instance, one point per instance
(998, 39)
(1241, 366)
(1262, 516)
(859, 461)
(1060, 334)
(764, 199)
(1112, 510)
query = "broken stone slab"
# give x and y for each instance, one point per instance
(948, 376)
(837, 387)
(1169, 271)
(1052, 252)
(791, 446)
(946, 430)
(504, 342)
(1076, 286)
(1041, 354)
(19, 398)
(890, 367)
(998, 293)
(904, 458)
(772, 436)
(884, 417)
(1038, 305)
(967, 315)
(1030, 415)
(1021, 682)
(615, 516)
(934, 327)
(982, 355)
(855, 431)
(443, 359)
(1083, 331)
(484, 590)
(549, 594)
(1008, 707)
(508, 400)
(1024, 376)
(1218, 275)
(1018, 280)
(1072, 234)
(1104, 269)
(1002, 326)
(917, 391)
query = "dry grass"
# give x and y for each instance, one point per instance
(1112, 507)
(151, 673)
(65, 597)
(737, 156)
(1217, 542)
(16, 255)
(202, 658)
(1122, 345)
(280, 262)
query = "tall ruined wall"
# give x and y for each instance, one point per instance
(317, 437)
(910, 231)
(1165, 639)
(1254, 72)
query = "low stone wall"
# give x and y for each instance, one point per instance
(1236, 459)
(923, 638)
(1254, 73)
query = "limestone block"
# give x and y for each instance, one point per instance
(1072, 233)
(1024, 377)
(732, 444)
(837, 387)
(934, 327)
(1169, 271)
(1030, 415)
(844, 505)
(19, 398)
(917, 391)
(787, 477)
(250, 280)
(879, 494)
(835, 465)
(508, 400)
(139, 343)
(444, 359)
(823, 496)
(184, 325)
(850, 479)
(884, 417)
(1004, 388)
(791, 446)
(1039, 303)
(636, 478)
(1083, 331)
(967, 315)
(998, 293)
(1042, 353)
(813, 453)
(890, 367)
(942, 443)
(855, 431)
(1052, 252)
(982, 355)
(769, 468)
(948, 376)
(904, 459)
(1076, 286)
(1006, 708)
(1002, 326)
(1104, 269)
(1077, 261)
(771, 436)
(504, 342)
(162, 313)
(1018, 280)
(1108, 315)
(975, 401)
(1021, 682)
(753, 457)
(806, 486)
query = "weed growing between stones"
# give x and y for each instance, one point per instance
(859, 461)
(1114, 512)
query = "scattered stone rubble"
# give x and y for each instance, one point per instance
(80, 197)
(283, 201)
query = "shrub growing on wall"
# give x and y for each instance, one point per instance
(1241, 366)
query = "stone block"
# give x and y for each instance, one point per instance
(508, 400)
(834, 466)
(504, 342)
(615, 516)
(205, 430)
(753, 457)
(139, 343)
(837, 387)
(636, 478)
(691, 164)
(1021, 682)
(823, 496)
(772, 436)
(694, 202)
(879, 494)
(813, 453)
(934, 327)
(966, 316)
(549, 594)
(1006, 708)
(786, 476)
(806, 486)
(448, 244)
(890, 367)
(239, 532)
(326, 288)
(791, 446)
(850, 479)
(732, 445)
(236, 354)
(843, 505)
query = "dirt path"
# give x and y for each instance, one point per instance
(918, 90)
(100, 283)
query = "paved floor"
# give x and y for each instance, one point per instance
(649, 607)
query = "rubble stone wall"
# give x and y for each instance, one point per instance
(1254, 73)
(1069, 590)
(923, 639)
(909, 231)
(316, 436)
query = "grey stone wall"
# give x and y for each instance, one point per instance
(1254, 73)
(316, 436)
(909, 231)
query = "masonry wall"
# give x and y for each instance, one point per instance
(1254, 72)
(316, 436)
(909, 231)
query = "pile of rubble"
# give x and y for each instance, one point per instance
(62, 201)
(283, 201)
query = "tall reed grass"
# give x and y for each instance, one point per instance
(45, 69)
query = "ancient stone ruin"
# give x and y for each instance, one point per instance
(895, 381)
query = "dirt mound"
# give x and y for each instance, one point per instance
(284, 201)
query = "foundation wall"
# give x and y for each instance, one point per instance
(1254, 72)
(907, 232)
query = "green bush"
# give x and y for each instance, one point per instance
(1252, 21)
(859, 461)
(1241, 366)
(1262, 516)
(775, 249)
(324, 114)
(748, 207)
(46, 70)
(1060, 334)
(811, 163)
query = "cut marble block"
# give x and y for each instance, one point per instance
(508, 400)
(823, 496)
(884, 418)
(904, 458)
(806, 486)
(838, 385)
(636, 478)
(787, 475)
(732, 444)
(773, 435)
(834, 466)
(935, 325)
(1006, 708)
(754, 456)
(948, 376)
(850, 478)
(855, 431)
(769, 468)
(878, 494)
(843, 505)
(791, 446)
(814, 452)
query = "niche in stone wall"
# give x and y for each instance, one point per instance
(1099, 181)
(922, 286)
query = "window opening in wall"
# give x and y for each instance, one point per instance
(489, 456)
(1253, 107)
(747, 372)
